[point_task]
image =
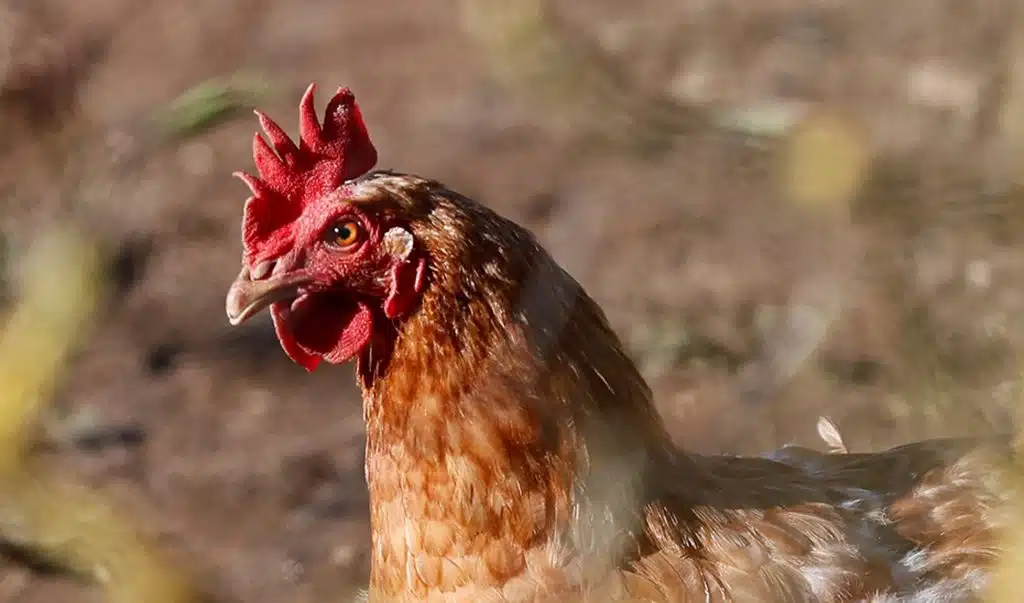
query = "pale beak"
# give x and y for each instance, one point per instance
(247, 297)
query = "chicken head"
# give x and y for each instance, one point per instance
(332, 270)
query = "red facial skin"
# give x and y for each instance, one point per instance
(328, 296)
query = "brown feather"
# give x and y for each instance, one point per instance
(514, 455)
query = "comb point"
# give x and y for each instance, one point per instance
(338, 117)
(284, 146)
(310, 133)
(256, 186)
(268, 164)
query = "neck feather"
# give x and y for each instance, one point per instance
(502, 392)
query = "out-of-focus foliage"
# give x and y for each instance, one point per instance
(65, 523)
(59, 290)
(825, 162)
(211, 103)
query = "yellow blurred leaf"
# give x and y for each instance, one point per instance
(825, 162)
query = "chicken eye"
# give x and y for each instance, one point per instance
(344, 234)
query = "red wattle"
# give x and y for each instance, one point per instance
(323, 327)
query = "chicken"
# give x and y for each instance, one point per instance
(513, 450)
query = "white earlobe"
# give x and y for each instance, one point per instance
(398, 243)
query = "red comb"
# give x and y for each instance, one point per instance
(293, 176)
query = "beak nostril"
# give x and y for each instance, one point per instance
(262, 270)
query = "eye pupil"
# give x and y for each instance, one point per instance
(344, 234)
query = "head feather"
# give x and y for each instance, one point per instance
(292, 176)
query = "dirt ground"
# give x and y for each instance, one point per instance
(253, 469)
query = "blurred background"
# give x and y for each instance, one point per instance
(789, 209)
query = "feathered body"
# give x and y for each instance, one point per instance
(513, 450)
